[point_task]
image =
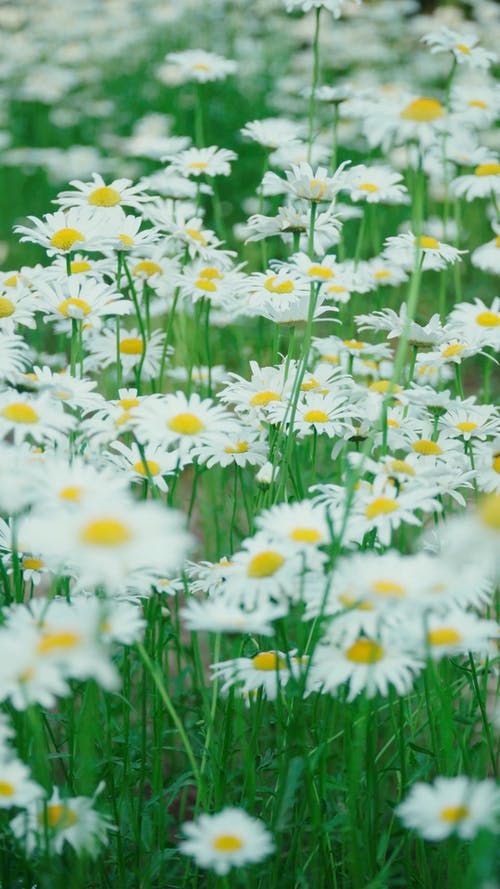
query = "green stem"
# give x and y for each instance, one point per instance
(315, 80)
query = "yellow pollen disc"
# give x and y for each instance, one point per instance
(198, 165)
(330, 359)
(487, 170)
(107, 531)
(365, 651)
(477, 103)
(488, 319)
(79, 266)
(265, 564)
(368, 186)
(50, 642)
(186, 424)
(380, 506)
(131, 345)
(128, 403)
(261, 399)
(59, 817)
(11, 281)
(196, 236)
(20, 413)
(393, 423)
(319, 271)
(423, 110)
(72, 493)
(241, 448)
(66, 238)
(153, 468)
(336, 288)
(354, 344)
(316, 417)
(451, 351)
(7, 307)
(383, 386)
(489, 511)
(206, 284)
(305, 535)
(317, 188)
(463, 48)
(427, 243)
(268, 661)
(283, 287)
(227, 843)
(201, 67)
(350, 602)
(147, 267)
(211, 273)
(427, 448)
(388, 588)
(444, 636)
(453, 814)
(401, 466)
(79, 305)
(126, 240)
(496, 463)
(125, 417)
(7, 789)
(466, 426)
(497, 241)
(383, 273)
(33, 564)
(104, 197)
(311, 384)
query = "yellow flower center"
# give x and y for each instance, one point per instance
(241, 448)
(489, 511)
(330, 359)
(196, 235)
(316, 417)
(393, 423)
(365, 651)
(79, 266)
(463, 48)
(147, 267)
(488, 319)
(261, 399)
(283, 287)
(477, 103)
(126, 240)
(186, 424)
(354, 344)
(427, 448)
(387, 588)
(206, 284)
(200, 67)
(350, 602)
(105, 196)
(492, 169)
(72, 493)
(401, 466)
(107, 531)
(20, 413)
(336, 288)
(319, 271)
(444, 636)
(317, 188)
(65, 238)
(453, 814)
(50, 642)
(382, 273)
(7, 789)
(11, 281)
(211, 273)
(131, 345)
(59, 817)
(497, 241)
(496, 463)
(268, 661)
(198, 165)
(32, 564)
(128, 403)
(7, 307)
(265, 564)
(368, 186)
(427, 243)
(451, 351)
(423, 110)
(305, 535)
(227, 843)
(383, 386)
(380, 506)
(79, 306)
(466, 426)
(153, 468)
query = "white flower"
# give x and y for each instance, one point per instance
(272, 132)
(218, 616)
(199, 66)
(211, 161)
(476, 322)
(451, 805)
(403, 250)
(334, 6)
(482, 183)
(375, 185)
(230, 838)
(120, 192)
(16, 786)
(63, 233)
(303, 182)
(463, 46)
(487, 256)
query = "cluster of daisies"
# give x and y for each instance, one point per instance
(110, 402)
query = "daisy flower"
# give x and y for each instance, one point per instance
(267, 671)
(477, 103)
(449, 806)
(245, 446)
(266, 386)
(14, 354)
(375, 185)
(120, 193)
(302, 182)
(482, 183)
(487, 256)
(272, 132)
(17, 306)
(218, 616)
(382, 508)
(64, 232)
(403, 250)
(38, 418)
(199, 66)
(381, 273)
(330, 414)
(159, 463)
(82, 300)
(463, 46)
(265, 569)
(395, 324)
(211, 161)
(333, 6)
(474, 421)
(230, 838)
(16, 785)
(101, 349)
(476, 322)
(452, 633)
(177, 421)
